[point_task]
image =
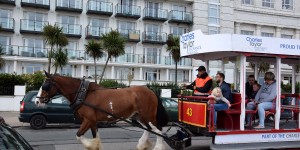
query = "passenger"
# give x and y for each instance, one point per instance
(255, 88)
(221, 103)
(202, 84)
(225, 87)
(263, 99)
(249, 84)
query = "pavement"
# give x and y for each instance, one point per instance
(11, 118)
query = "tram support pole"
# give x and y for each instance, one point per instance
(293, 79)
(278, 105)
(242, 89)
(256, 71)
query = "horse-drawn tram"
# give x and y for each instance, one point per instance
(239, 50)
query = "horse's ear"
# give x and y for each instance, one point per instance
(47, 74)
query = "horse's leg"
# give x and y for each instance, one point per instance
(89, 144)
(159, 140)
(144, 142)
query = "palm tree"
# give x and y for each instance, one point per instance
(53, 36)
(2, 61)
(113, 44)
(94, 49)
(173, 43)
(262, 67)
(60, 59)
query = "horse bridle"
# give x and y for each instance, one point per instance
(46, 87)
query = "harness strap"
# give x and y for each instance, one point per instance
(81, 94)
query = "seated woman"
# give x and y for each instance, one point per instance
(255, 88)
(263, 99)
(221, 103)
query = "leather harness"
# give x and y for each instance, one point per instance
(81, 94)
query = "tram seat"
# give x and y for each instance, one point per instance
(232, 113)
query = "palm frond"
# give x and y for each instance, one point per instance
(113, 43)
(173, 48)
(94, 49)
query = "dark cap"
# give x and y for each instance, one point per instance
(201, 68)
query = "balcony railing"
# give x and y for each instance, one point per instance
(183, 61)
(36, 3)
(96, 31)
(76, 55)
(69, 5)
(98, 7)
(154, 37)
(7, 24)
(128, 11)
(32, 26)
(130, 35)
(72, 30)
(32, 52)
(180, 17)
(11, 2)
(151, 59)
(155, 14)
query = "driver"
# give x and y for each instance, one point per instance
(202, 84)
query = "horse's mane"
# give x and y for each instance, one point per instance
(92, 86)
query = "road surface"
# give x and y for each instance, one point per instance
(63, 138)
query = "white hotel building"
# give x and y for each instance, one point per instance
(145, 24)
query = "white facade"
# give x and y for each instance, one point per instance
(146, 56)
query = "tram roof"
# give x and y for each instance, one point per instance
(209, 47)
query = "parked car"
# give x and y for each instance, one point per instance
(10, 139)
(56, 111)
(171, 107)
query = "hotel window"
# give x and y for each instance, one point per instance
(247, 2)
(213, 13)
(287, 4)
(286, 36)
(5, 22)
(268, 3)
(31, 68)
(178, 31)
(152, 56)
(152, 75)
(245, 32)
(213, 30)
(265, 34)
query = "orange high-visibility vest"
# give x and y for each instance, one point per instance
(200, 83)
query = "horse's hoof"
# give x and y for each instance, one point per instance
(78, 138)
(159, 147)
(144, 146)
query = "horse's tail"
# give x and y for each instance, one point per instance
(162, 117)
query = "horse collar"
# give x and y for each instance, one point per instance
(81, 94)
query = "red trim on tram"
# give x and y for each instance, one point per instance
(256, 131)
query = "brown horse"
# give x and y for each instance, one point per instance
(138, 102)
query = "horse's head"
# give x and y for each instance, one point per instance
(47, 91)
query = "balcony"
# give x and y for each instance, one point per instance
(7, 24)
(36, 3)
(155, 37)
(32, 26)
(37, 52)
(10, 50)
(183, 61)
(76, 54)
(128, 11)
(70, 30)
(96, 32)
(69, 5)
(155, 14)
(130, 35)
(180, 17)
(10, 2)
(99, 8)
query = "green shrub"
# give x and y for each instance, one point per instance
(287, 88)
(34, 81)
(112, 84)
